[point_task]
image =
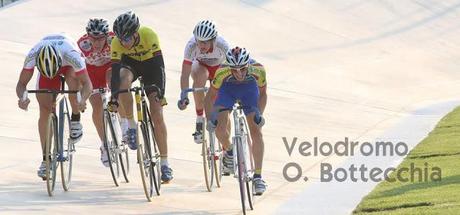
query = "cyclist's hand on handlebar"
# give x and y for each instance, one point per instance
(182, 103)
(23, 104)
(112, 105)
(259, 120)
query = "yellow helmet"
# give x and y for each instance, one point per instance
(48, 61)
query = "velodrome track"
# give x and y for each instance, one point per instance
(335, 69)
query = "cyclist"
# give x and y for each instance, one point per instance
(240, 78)
(204, 53)
(55, 55)
(136, 52)
(95, 46)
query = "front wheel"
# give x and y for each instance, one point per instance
(145, 162)
(51, 154)
(110, 145)
(68, 149)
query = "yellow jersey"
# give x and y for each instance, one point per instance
(256, 72)
(147, 47)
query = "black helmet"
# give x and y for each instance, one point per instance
(126, 25)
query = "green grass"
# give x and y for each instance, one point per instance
(440, 149)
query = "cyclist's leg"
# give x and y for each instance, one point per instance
(208, 101)
(200, 76)
(225, 99)
(98, 80)
(121, 110)
(75, 125)
(96, 104)
(153, 73)
(250, 98)
(45, 102)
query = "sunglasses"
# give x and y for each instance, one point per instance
(127, 39)
(238, 69)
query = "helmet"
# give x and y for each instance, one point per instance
(205, 30)
(97, 27)
(126, 25)
(48, 61)
(237, 57)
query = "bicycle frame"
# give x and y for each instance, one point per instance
(241, 136)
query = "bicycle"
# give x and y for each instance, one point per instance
(244, 162)
(148, 159)
(212, 157)
(58, 150)
(117, 150)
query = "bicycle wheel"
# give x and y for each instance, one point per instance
(66, 153)
(121, 147)
(241, 172)
(110, 146)
(145, 164)
(208, 163)
(217, 155)
(155, 152)
(51, 153)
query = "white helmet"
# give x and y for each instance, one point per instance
(205, 30)
(237, 57)
(97, 27)
(48, 61)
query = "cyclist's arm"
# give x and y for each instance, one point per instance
(87, 86)
(24, 79)
(262, 99)
(185, 75)
(115, 80)
(209, 100)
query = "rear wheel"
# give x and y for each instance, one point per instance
(51, 153)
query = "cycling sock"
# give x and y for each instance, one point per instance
(124, 124)
(132, 123)
(257, 175)
(164, 161)
(75, 117)
(229, 151)
(199, 112)
(258, 171)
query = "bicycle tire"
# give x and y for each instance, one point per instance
(217, 156)
(68, 147)
(155, 154)
(51, 149)
(207, 164)
(144, 161)
(109, 141)
(241, 167)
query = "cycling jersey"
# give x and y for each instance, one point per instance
(70, 54)
(72, 59)
(97, 63)
(147, 47)
(214, 57)
(256, 73)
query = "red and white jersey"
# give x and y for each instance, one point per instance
(214, 57)
(70, 54)
(93, 58)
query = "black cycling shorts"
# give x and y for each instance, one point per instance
(152, 71)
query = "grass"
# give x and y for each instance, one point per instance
(440, 149)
